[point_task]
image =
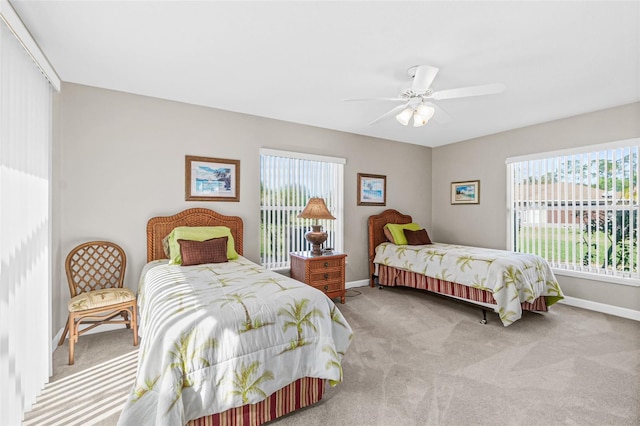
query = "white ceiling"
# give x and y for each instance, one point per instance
(297, 61)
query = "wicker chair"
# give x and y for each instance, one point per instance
(95, 274)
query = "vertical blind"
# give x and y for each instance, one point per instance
(287, 181)
(578, 209)
(25, 301)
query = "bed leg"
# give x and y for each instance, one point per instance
(484, 317)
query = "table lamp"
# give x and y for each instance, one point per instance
(316, 209)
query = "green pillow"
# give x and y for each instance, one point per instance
(198, 233)
(397, 231)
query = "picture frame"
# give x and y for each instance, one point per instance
(372, 190)
(211, 179)
(466, 192)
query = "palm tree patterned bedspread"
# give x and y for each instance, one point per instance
(511, 277)
(218, 336)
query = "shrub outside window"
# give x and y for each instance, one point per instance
(578, 208)
(287, 181)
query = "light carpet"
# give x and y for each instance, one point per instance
(415, 359)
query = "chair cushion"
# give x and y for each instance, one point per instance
(100, 298)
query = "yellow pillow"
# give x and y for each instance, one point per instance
(198, 233)
(397, 231)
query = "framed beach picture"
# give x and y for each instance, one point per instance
(211, 179)
(465, 192)
(372, 190)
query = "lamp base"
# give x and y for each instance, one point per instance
(316, 237)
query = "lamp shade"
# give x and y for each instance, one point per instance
(405, 116)
(316, 209)
(422, 115)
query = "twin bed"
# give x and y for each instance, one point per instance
(228, 343)
(231, 343)
(503, 281)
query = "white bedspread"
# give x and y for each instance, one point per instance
(218, 336)
(511, 277)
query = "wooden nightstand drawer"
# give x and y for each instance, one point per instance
(320, 276)
(326, 272)
(323, 264)
(329, 286)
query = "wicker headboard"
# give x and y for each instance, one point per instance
(376, 232)
(160, 227)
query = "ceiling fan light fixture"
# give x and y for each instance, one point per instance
(425, 111)
(422, 115)
(405, 116)
(419, 121)
(417, 98)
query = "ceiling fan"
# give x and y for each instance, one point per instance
(415, 101)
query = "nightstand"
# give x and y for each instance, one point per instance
(325, 272)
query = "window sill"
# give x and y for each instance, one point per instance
(283, 270)
(633, 282)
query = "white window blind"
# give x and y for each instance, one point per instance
(25, 278)
(287, 181)
(578, 208)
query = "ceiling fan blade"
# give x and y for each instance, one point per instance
(441, 116)
(465, 92)
(390, 112)
(374, 99)
(423, 77)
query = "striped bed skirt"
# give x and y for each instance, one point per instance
(390, 276)
(301, 393)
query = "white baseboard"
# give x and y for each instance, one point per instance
(601, 307)
(101, 329)
(360, 283)
(571, 301)
(110, 327)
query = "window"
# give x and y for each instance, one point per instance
(25, 242)
(287, 181)
(578, 208)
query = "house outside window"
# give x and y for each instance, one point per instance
(578, 209)
(287, 181)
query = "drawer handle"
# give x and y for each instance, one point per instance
(326, 264)
(326, 287)
(326, 276)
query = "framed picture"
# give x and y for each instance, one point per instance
(465, 192)
(372, 190)
(211, 179)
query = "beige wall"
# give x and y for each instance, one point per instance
(484, 159)
(119, 160)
